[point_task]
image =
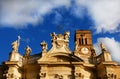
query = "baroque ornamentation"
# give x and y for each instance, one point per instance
(79, 75)
(59, 40)
(42, 74)
(58, 76)
(111, 76)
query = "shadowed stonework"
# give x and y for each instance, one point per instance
(60, 62)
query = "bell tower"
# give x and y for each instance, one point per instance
(83, 44)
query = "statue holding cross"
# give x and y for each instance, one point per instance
(15, 45)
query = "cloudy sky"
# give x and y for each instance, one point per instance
(34, 20)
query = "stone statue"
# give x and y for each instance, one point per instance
(103, 47)
(66, 35)
(93, 52)
(44, 46)
(54, 36)
(93, 55)
(28, 50)
(16, 44)
(76, 45)
(107, 56)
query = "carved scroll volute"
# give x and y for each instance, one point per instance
(11, 76)
(44, 46)
(112, 76)
(42, 75)
(79, 75)
(58, 76)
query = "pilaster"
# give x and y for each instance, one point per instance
(43, 72)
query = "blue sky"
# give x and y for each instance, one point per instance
(34, 20)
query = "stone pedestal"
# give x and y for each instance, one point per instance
(14, 71)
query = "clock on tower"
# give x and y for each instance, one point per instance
(83, 43)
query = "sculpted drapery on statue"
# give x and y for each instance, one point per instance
(15, 45)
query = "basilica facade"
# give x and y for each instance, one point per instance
(60, 62)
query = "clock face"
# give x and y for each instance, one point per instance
(84, 50)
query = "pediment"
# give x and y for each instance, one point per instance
(55, 49)
(60, 57)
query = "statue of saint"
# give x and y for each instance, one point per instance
(28, 50)
(16, 44)
(93, 52)
(44, 46)
(67, 35)
(103, 47)
(76, 45)
(54, 36)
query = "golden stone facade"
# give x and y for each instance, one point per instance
(60, 62)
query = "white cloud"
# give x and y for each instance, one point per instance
(58, 18)
(17, 13)
(112, 46)
(105, 13)
(78, 11)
